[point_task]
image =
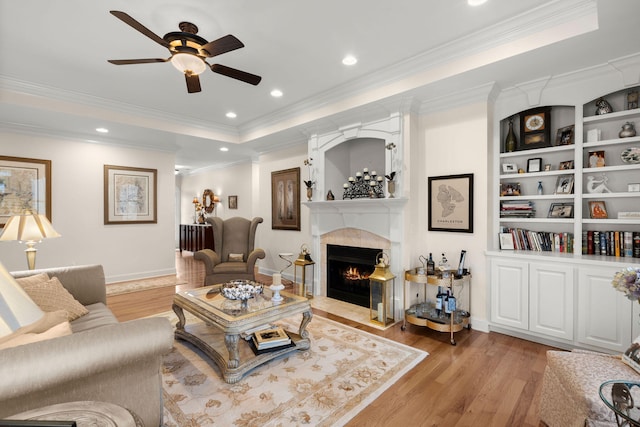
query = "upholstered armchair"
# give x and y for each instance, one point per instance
(234, 256)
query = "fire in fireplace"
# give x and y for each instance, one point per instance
(348, 270)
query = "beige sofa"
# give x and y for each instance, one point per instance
(102, 360)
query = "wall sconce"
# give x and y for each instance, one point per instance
(305, 264)
(381, 288)
(29, 228)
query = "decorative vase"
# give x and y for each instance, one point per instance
(603, 107)
(309, 193)
(391, 188)
(540, 188)
(627, 130)
(510, 140)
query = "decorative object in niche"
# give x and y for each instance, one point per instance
(632, 100)
(597, 185)
(309, 183)
(565, 135)
(631, 155)
(596, 159)
(535, 128)
(598, 210)
(603, 107)
(510, 142)
(628, 130)
(330, 195)
(564, 184)
(365, 184)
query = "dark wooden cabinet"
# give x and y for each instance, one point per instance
(194, 237)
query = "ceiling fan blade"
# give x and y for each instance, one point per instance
(193, 83)
(136, 61)
(138, 26)
(222, 45)
(236, 74)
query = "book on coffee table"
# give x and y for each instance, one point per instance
(268, 338)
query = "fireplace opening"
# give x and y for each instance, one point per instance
(348, 270)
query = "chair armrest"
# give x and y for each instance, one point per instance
(209, 257)
(253, 257)
(45, 364)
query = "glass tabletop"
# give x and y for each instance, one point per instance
(210, 298)
(623, 398)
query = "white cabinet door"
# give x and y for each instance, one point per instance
(604, 314)
(510, 293)
(551, 296)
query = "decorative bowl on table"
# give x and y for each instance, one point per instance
(242, 290)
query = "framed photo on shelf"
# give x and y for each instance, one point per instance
(506, 241)
(534, 165)
(560, 210)
(450, 206)
(509, 168)
(598, 210)
(130, 195)
(564, 184)
(24, 183)
(566, 165)
(564, 135)
(547, 167)
(285, 199)
(596, 159)
(509, 189)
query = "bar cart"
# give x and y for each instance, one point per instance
(426, 314)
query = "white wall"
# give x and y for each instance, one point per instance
(455, 142)
(126, 251)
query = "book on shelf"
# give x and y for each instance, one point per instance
(517, 209)
(270, 338)
(540, 241)
(621, 244)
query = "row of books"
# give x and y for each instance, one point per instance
(544, 241)
(612, 243)
(517, 209)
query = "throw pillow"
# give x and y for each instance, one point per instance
(236, 257)
(52, 296)
(51, 325)
(33, 280)
(632, 355)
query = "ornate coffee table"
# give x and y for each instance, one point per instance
(224, 321)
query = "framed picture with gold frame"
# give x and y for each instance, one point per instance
(285, 199)
(18, 174)
(535, 128)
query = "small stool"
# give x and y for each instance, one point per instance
(84, 413)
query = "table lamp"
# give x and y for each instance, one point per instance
(16, 308)
(29, 228)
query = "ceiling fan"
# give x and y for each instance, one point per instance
(188, 52)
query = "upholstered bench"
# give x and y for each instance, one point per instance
(570, 389)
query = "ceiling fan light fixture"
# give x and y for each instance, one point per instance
(188, 63)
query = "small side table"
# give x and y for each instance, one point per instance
(621, 397)
(84, 413)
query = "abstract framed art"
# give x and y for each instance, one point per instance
(130, 195)
(285, 199)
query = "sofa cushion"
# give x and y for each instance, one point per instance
(236, 257)
(52, 296)
(36, 279)
(52, 325)
(99, 315)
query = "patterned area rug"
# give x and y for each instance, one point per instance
(344, 370)
(142, 284)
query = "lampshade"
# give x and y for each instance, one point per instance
(187, 61)
(29, 228)
(16, 308)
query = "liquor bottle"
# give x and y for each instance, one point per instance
(443, 264)
(510, 141)
(449, 302)
(431, 266)
(463, 256)
(439, 301)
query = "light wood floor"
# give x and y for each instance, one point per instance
(485, 380)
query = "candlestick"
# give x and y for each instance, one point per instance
(365, 170)
(351, 179)
(345, 185)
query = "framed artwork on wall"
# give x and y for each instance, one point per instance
(233, 202)
(450, 206)
(24, 184)
(285, 199)
(130, 195)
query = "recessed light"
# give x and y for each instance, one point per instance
(276, 93)
(349, 60)
(231, 115)
(102, 130)
(224, 149)
(476, 2)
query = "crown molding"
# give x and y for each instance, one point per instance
(483, 93)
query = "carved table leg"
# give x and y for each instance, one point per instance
(306, 318)
(181, 320)
(231, 341)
